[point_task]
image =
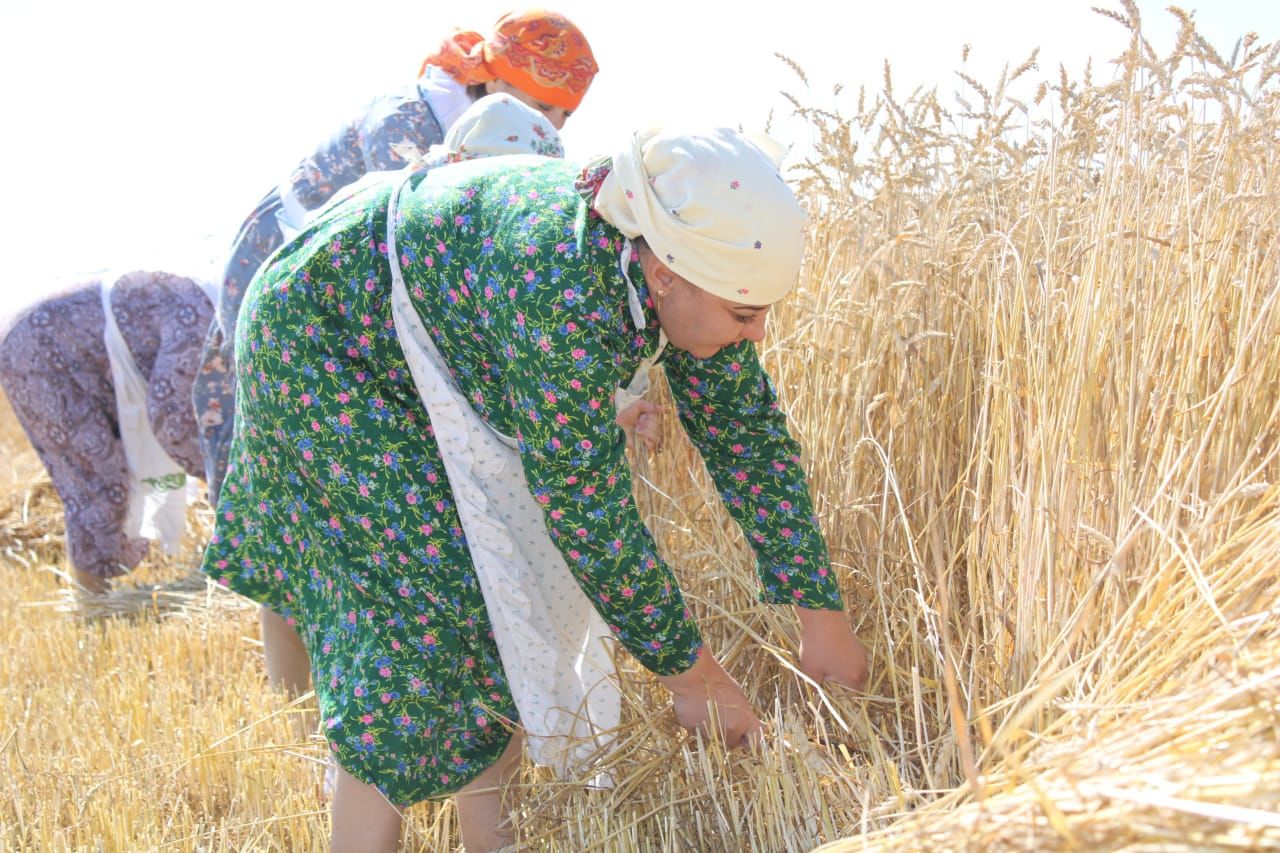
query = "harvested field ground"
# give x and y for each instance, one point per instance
(1035, 365)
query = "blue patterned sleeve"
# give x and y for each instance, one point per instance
(364, 145)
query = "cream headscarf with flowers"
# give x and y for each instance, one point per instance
(493, 125)
(714, 208)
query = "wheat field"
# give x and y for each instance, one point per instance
(1034, 362)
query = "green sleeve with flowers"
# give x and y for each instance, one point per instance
(562, 375)
(728, 407)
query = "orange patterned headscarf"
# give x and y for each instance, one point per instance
(541, 53)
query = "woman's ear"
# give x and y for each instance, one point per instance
(656, 273)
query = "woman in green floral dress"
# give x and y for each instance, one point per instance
(541, 287)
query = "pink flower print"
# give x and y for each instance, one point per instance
(366, 738)
(733, 185)
(366, 718)
(744, 290)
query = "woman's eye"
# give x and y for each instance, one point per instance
(744, 320)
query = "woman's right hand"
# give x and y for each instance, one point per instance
(704, 684)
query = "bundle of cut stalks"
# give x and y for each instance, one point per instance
(1035, 366)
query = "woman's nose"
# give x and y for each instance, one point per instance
(754, 331)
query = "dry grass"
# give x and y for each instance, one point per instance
(1036, 367)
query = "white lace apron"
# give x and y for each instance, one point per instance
(551, 640)
(157, 484)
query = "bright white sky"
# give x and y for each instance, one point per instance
(139, 133)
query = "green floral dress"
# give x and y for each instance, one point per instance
(336, 511)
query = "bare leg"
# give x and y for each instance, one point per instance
(482, 803)
(363, 819)
(288, 665)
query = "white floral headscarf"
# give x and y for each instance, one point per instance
(714, 208)
(493, 125)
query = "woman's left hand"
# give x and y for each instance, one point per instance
(829, 651)
(642, 421)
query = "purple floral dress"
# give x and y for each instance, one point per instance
(336, 512)
(363, 145)
(55, 372)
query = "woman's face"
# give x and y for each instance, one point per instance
(698, 322)
(556, 115)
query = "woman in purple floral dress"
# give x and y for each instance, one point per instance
(57, 373)
(537, 288)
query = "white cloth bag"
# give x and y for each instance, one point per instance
(157, 484)
(549, 636)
